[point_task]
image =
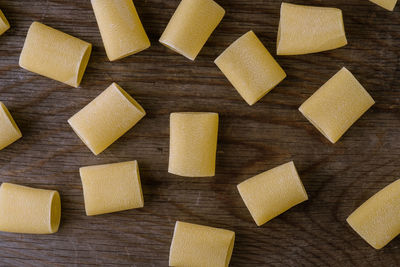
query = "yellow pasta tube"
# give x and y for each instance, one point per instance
(387, 4)
(191, 25)
(250, 68)
(337, 105)
(109, 116)
(54, 54)
(308, 29)
(193, 144)
(29, 210)
(4, 25)
(200, 246)
(273, 192)
(120, 28)
(9, 131)
(377, 221)
(111, 187)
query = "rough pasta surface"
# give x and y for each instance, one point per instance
(308, 29)
(4, 25)
(120, 27)
(250, 68)
(272, 192)
(337, 105)
(191, 25)
(55, 54)
(387, 4)
(106, 118)
(193, 144)
(9, 131)
(29, 210)
(200, 246)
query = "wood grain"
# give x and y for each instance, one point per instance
(337, 177)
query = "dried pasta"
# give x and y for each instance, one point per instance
(9, 131)
(337, 105)
(200, 246)
(250, 68)
(191, 25)
(193, 143)
(120, 27)
(273, 192)
(4, 25)
(106, 118)
(54, 54)
(29, 210)
(111, 187)
(387, 4)
(309, 29)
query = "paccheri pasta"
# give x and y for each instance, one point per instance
(200, 246)
(111, 187)
(9, 131)
(55, 54)
(191, 26)
(273, 192)
(309, 29)
(193, 143)
(250, 68)
(387, 4)
(377, 221)
(4, 25)
(337, 105)
(29, 210)
(120, 27)
(110, 115)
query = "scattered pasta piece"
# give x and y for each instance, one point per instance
(111, 187)
(387, 4)
(193, 144)
(4, 25)
(120, 28)
(377, 221)
(337, 105)
(191, 26)
(250, 68)
(109, 116)
(308, 29)
(54, 54)
(273, 192)
(29, 210)
(200, 246)
(9, 131)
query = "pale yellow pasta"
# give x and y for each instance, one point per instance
(309, 29)
(200, 246)
(29, 210)
(120, 28)
(4, 25)
(9, 131)
(55, 54)
(111, 187)
(337, 105)
(191, 25)
(387, 4)
(109, 116)
(193, 144)
(273, 192)
(250, 68)
(377, 221)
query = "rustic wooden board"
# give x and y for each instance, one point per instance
(337, 177)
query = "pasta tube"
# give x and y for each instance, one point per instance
(9, 131)
(4, 25)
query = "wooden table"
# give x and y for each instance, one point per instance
(338, 178)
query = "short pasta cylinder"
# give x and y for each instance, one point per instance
(29, 210)
(273, 192)
(309, 29)
(191, 25)
(337, 105)
(193, 143)
(377, 221)
(387, 4)
(250, 68)
(9, 131)
(111, 187)
(109, 116)
(4, 25)
(200, 246)
(54, 54)
(120, 28)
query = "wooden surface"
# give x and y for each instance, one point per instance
(338, 178)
